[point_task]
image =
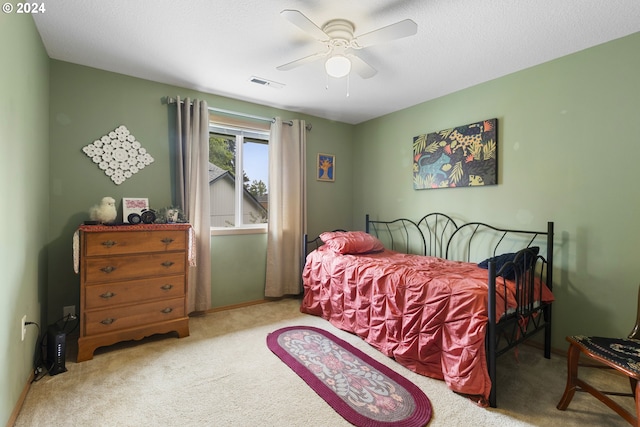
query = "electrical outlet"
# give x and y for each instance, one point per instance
(23, 326)
(69, 312)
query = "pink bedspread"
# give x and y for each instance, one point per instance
(428, 313)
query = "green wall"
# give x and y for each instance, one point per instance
(233, 279)
(87, 103)
(24, 192)
(568, 152)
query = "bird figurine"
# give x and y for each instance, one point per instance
(105, 212)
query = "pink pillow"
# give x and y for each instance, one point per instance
(351, 242)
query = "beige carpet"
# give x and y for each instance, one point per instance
(224, 375)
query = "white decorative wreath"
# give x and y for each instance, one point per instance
(118, 154)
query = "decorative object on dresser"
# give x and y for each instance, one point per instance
(132, 208)
(105, 212)
(133, 283)
(148, 216)
(170, 214)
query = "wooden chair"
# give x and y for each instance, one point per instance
(621, 354)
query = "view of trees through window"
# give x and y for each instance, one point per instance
(247, 154)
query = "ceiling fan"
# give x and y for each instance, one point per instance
(341, 45)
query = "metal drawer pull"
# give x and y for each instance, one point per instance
(109, 243)
(167, 263)
(108, 321)
(167, 240)
(166, 287)
(167, 310)
(108, 269)
(108, 295)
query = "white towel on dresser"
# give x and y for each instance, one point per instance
(76, 251)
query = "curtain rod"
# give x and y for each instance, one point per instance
(248, 116)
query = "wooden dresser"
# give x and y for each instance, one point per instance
(133, 283)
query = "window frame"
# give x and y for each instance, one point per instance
(242, 130)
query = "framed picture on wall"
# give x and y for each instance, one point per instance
(464, 156)
(326, 167)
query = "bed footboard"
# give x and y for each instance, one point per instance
(532, 314)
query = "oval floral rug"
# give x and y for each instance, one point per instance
(362, 390)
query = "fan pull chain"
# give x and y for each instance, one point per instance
(348, 83)
(326, 86)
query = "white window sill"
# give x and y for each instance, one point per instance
(231, 231)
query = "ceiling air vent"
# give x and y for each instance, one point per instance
(264, 82)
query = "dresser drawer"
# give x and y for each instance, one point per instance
(109, 320)
(134, 291)
(116, 268)
(129, 242)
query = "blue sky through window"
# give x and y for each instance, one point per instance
(256, 162)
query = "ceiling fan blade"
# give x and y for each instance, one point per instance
(361, 68)
(390, 32)
(302, 61)
(297, 18)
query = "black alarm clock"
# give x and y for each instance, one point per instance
(148, 216)
(134, 218)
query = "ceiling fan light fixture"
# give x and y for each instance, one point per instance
(338, 66)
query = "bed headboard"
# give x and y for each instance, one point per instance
(437, 228)
(309, 245)
(401, 235)
(437, 234)
(429, 236)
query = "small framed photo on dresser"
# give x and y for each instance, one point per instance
(133, 205)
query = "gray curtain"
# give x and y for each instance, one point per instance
(287, 207)
(192, 193)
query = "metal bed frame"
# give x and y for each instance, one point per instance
(437, 234)
(531, 315)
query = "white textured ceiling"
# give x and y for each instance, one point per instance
(215, 46)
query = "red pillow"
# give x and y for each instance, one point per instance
(351, 242)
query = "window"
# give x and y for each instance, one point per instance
(238, 176)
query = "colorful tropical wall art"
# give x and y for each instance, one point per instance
(463, 156)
